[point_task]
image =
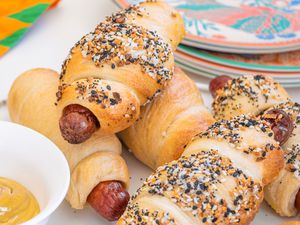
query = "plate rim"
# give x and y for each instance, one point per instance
(290, 75)
(230, 62)
(210, 75)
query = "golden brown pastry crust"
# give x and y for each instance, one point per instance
(31, 103)
(208, 184)
(201, 188)
(281, 194)
(255, 95)
(243, 139)
(168, 123)
(247, 94)
(90, 171)
(122, 64)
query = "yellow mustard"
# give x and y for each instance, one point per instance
(17, 204)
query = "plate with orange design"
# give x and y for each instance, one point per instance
(242, 26)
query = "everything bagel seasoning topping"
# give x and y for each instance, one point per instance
(123, 44)
(121, 41)
(257, 90)
(96, 90)
(192, 184)
(123, 15)
(230, 130)
(292, 109)
(292, 158)
(142, 216)
(292, 152)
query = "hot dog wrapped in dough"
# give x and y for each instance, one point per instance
(117, 68)
(96, 165)
(284, 193)
(210, 183)
(246, 94)
(262, 95)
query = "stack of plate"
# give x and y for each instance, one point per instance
(238, 37)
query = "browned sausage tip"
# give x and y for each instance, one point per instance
(77, 124)
(297, 201)
(109, 199)
(281, 124)
(218, 83)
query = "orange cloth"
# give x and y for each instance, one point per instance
(16, 17)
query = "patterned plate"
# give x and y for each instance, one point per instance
(209, 69)
(262, 25)
(229, 69)
(211, 75)
(279, 62)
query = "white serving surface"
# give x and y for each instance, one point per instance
(46, 45)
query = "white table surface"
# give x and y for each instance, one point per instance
(46, 45)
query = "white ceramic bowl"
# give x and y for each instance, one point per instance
(35, 162)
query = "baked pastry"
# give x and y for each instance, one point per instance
(31, 103)
(283, 194)
(246, 94)
(117, 68)
(107, 76)
(168, 123)
(256, 95)
(211, 183)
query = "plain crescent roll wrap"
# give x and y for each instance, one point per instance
(259, 95)
(31, 103)
(122, 64)
(210, 183)
(168, 123)
(98, 167)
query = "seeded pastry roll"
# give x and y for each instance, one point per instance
(283, 194)
(210, 183)
(120, 66)
(262, 95)
(247, 94)
(107, 76)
